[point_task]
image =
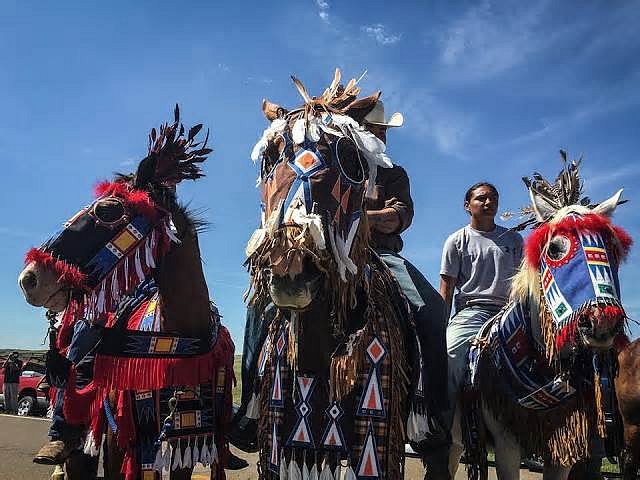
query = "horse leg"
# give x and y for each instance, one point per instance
(457, 445)
(81, 466)
(631, 452)
(506, 448)
(113, 458)
(555, 472)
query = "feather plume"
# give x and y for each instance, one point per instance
(176, 158)
(303, 91)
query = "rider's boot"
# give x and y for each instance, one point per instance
(56, 452)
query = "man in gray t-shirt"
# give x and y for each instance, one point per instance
(478, 261)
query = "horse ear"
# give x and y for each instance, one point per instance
(541, 207)
(272, 110)
(607, 207)
(146, 171)
(360, 108)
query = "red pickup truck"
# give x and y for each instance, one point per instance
(31, 400)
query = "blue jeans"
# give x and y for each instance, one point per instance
(429, 314)
(85, 338)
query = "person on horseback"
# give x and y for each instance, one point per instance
(390, 212)
(478, 261)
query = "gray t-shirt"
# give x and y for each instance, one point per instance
(483, 264)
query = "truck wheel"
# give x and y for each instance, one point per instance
(25, 405)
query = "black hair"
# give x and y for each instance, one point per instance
(467, 196)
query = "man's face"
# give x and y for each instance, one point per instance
(483, 203)
(378, 130)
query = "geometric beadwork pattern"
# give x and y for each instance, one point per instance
(274, 458)
(372, 403)
(332, 439)
(301, 433)
(368, 466)
(277, 399)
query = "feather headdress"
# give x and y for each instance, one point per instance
(547, 198)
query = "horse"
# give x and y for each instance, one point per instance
(130, 264)
(627, 384)
(536, 366)
(333, 392)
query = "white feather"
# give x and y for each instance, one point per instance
(326, 473)
(158, 463)
(166, 457)
(349, 474)
(314, 129)
(294, 472)
(298, 131)
(177, 458)
(255, 241)
(313, 474)
(187, 458)
(276, 127)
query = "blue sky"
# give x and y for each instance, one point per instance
(489, 90)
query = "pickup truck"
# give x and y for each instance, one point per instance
(31, 400)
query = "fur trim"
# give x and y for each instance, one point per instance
(67, 274)
(139, 200)
(537, 241)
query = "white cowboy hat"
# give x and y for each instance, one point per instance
(376, 117)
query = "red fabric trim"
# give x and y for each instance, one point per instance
(567, 336)
(124, 420)
(625, 240)
(593, 222)
(79, 405)
(130, 468)
(139, 200)
(124, 373)
(67, 274)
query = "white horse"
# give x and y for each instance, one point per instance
(537, 363)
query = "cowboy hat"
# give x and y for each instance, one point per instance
(376, 117)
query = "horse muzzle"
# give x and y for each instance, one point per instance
(41, 288)
(600, 325)
(297, 292)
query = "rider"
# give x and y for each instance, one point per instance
(390, 212)
(478, 261)
(64, 437)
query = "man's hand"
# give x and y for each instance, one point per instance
(386, 220)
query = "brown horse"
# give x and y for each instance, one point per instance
(62, 276)
(628, 391)
(334, 371)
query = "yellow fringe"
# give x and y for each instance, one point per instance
(599, 405)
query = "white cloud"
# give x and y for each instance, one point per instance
(323, 5)
(485, 42)
(224, 67)
(381, 35)
(427, 117)
(611, 178)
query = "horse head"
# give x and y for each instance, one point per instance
(571, 267)
(114, 243)
(314, 164)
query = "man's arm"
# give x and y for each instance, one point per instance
(447, 287)
(386, 220)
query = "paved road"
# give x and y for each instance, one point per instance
(21, 437)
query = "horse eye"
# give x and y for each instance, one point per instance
(109, 212)
(349, 161)
(558, 248)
